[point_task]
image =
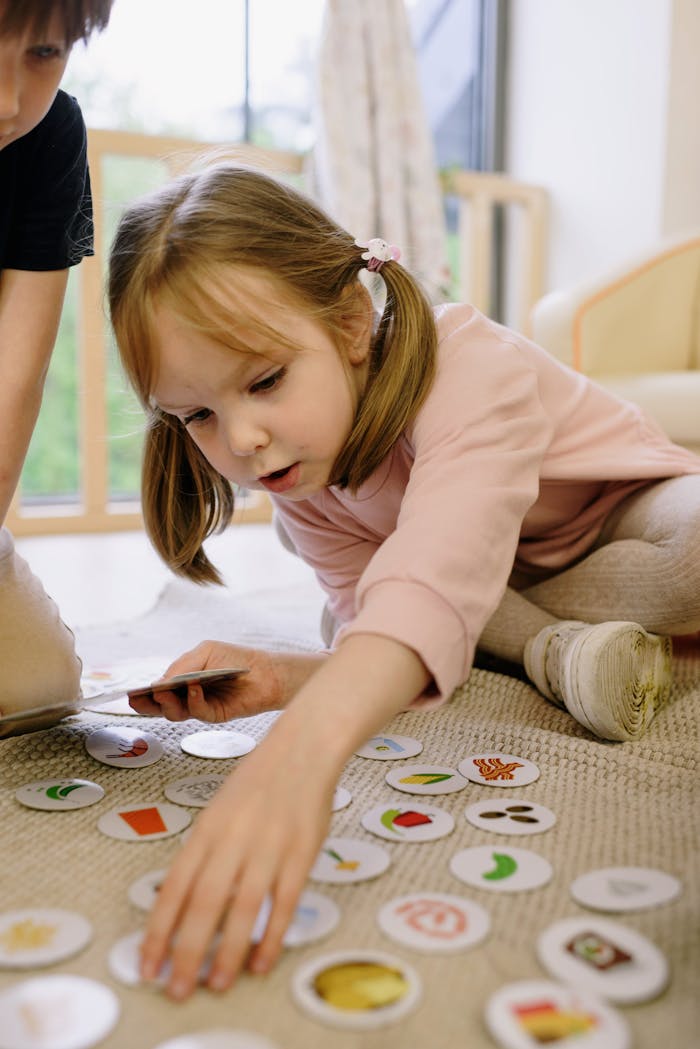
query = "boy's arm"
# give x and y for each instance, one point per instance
(30, 310)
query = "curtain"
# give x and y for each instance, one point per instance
(374, 167)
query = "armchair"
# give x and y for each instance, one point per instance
(636, 331)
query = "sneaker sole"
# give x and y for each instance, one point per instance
(618, 676)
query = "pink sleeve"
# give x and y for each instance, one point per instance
(329, 540)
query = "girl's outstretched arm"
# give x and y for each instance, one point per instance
(262, 832)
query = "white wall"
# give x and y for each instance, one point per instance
(603, 104)
(682, 184)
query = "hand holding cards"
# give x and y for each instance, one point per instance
(44, 716)
(171, 698)
(180, 682)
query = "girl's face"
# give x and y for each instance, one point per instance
(275, 418)
(31, 68)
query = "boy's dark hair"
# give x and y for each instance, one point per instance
(80, 17)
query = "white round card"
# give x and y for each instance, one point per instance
(494, 769)
(146, 822)
(425, 779)
(130, 673)
(390, 748)
(97, 679)
(533, 1013)
(218, 1038)
(98, 683)
(414, 822)
(38, 936)
(315, 916)
(60, 1011)
(435, 922)
(59, 795)
(217, 743)
(358, 990)
(143, 892)
(124, 748)
(501, 868)
(124, 962)
(619, 889)
(119, 707)
(343, 860)
(341, 799)
(610, 959)
(196, 791)
(510, 816)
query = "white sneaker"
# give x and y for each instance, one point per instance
(612, 677)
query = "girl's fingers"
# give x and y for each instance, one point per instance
(199, 924)
(196, 896)
(166, 912)
(233, 949)
(235, 942)
(284, 904)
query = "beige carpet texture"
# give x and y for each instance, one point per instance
(631, 804)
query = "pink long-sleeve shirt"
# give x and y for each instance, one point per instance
(514, 460)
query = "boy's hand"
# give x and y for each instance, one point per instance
(259, 836)
(272, 679)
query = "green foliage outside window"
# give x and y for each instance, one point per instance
(52, 468)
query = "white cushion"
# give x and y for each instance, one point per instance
(671, 398)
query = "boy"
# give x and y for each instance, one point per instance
(45, 227)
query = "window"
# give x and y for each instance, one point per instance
(243, 69)
(239, 70)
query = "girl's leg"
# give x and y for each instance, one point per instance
(645, 567)
(643, 574)
(37, 650)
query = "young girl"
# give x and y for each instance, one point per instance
(450, 482)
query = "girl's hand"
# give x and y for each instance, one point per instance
(258, 836)
(272, 679)
(261, 833)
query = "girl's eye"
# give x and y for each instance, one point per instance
(199, 416)
(269, 382)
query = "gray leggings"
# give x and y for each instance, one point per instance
(644, 568)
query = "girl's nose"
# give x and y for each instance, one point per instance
(245, 437)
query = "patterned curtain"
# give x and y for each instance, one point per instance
(373, 166)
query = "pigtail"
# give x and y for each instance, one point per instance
(184, 500)
(180, 247)
(402, 369)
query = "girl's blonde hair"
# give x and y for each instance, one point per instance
(175, 246)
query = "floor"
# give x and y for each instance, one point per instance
(98, 579)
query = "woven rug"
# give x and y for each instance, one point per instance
(616, 805)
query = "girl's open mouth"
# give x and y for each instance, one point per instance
(280, 481)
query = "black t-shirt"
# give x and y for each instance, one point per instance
(45, 202)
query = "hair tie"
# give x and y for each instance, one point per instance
(378, 252)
